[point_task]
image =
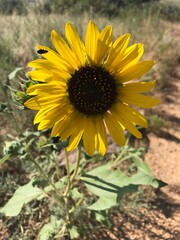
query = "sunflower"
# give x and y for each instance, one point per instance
(84, 90)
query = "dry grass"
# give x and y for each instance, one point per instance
(21, 34)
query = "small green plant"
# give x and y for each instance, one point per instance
(67, 201)
(157, 123)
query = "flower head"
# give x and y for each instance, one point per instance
(84, 88)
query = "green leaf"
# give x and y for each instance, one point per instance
(109, 185)
(140, 164)
(5, 158)
(60, 145)
(21, 196)
(12, 147)
(41, 183)
(145, 173)
(3, 107)
(103, 217)
(59, 185)
(73, 231)
(49, 229)
(76, 194)
(104, 203)
(14, 73)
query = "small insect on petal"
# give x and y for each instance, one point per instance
(42, 51)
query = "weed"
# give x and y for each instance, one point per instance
(157, 123)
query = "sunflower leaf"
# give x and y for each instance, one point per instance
(109, 185)
(73, 231)
(103, 203)
(21, 196)
(47, 231)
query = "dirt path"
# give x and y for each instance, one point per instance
(163, 157)
(164, 150)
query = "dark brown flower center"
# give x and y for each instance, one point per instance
(92, 90)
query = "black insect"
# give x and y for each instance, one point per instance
(42, 51)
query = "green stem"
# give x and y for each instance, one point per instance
(39, 168)
(64, 227)
(76, 205)
(68, 174)
(71, 178)
(77, 165)
(43, 173)
(59, 173)
(122, 153)
(67, 163)
(66, 193)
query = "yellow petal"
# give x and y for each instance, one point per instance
(57, 126)
(63, 49)
(32, 103)
(125, 122)
(129, 114)
(131, 56)
(49, 97)
(89, 136)
(101, 135)
(40, 115)
(76, 44)
(135, 71)
(41, 101)
(54, 114)
(44, 124)
(75, 139)
(115, 129)
(77, 132)
(137, 87)
(138, 100)
(91, 38)
(40, 75)
(104, 43)
(70, 124)
(50, 88)
(117, 50)
(40, 64)
(47, 65)
(62, 127)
